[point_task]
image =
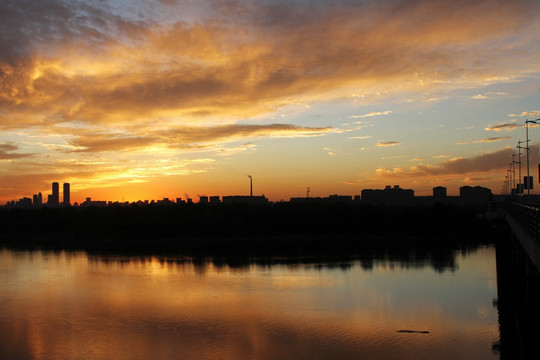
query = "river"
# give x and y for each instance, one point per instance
(74, 305)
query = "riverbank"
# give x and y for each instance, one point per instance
(269, 230)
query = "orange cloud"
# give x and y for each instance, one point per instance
(188, 137)
(6, 152)
(388, 143)
(503, 127)
(374, 113)
(488, 140)
(479, 97)
(240, 63)
(483, 163)
(529, 114)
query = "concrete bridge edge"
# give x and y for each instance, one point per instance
(531, 246)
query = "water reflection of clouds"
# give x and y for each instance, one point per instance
(143, 308)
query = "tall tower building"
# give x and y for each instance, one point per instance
(439, 193)
(66, 194)
(54, 198)
(37, 199)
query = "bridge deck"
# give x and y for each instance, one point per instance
(524, 220)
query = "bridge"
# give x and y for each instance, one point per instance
(518, 280)
(524, 221)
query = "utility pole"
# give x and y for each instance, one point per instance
(527, 148)
(513, 171)
(508, 181)
(529, 182)
(510, 178)
(520, 185)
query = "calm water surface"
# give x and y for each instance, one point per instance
(77, 306)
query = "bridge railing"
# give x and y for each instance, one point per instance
(528, 215)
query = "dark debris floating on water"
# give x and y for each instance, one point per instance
(414, 331)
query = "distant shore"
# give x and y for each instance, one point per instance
(243, 230)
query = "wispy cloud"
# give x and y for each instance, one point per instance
(236, 149)
(360, 137)
(476, 179)
(503, 127)
(488, 95)
(530, 114)
(388, 143)
(392, 157)
(479, 97)
(109, 142)
(488, 140)
(374, 113)
(330, 151)
(6, 152)
(188, 137)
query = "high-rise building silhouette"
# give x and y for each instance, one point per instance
(439, 193)
(477, 194)
(56, 191)
(54, 198)
(390, 195)
(66, 194)
(37, 199)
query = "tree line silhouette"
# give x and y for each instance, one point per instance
(280, 228)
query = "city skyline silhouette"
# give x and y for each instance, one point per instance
(389, 195)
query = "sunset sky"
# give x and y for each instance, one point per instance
(150, 99)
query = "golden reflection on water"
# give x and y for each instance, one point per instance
(76, 306)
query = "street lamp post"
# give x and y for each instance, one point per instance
(520, 184)
(527, 122)
(512, 176)
(514, 171)
(507, 181)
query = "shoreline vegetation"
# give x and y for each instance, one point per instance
(337, 230)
